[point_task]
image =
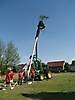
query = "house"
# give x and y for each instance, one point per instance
(57, 66)
(73, 66)
(20, 66)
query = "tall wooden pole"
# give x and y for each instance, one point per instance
(40, 27)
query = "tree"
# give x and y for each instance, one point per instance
(11, 55)
(67, 66)
(2, 50)
(42, 17)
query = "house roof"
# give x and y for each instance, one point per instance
(57, 63)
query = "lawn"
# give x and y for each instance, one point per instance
(60, 87)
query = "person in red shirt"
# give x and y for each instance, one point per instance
(32, 72)
(12, 77)
(7, 81)
(20, 78)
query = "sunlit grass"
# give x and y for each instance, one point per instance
(60, 87)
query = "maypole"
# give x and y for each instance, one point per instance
(40, 27)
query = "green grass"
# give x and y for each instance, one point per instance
(60, 87)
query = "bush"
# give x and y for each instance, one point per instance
(4, 70)
(67, 66)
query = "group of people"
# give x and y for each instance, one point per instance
(22, 77)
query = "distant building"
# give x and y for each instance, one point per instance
(20, 66)
(57, 66)
(73, 65)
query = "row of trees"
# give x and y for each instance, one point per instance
(9, 55)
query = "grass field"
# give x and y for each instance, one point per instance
(60, 87)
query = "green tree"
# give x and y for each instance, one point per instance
(42, 17)
(2, 50)
(11, 55)
(67, 66)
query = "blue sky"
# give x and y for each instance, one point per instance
(18, 23)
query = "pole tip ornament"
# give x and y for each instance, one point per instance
(42, 17)
(41, 24)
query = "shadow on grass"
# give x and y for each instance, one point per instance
(1, 88)
(51, 96)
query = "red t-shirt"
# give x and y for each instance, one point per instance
(20, 75)
(12, 75)
(8, 77)
(32, 72)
